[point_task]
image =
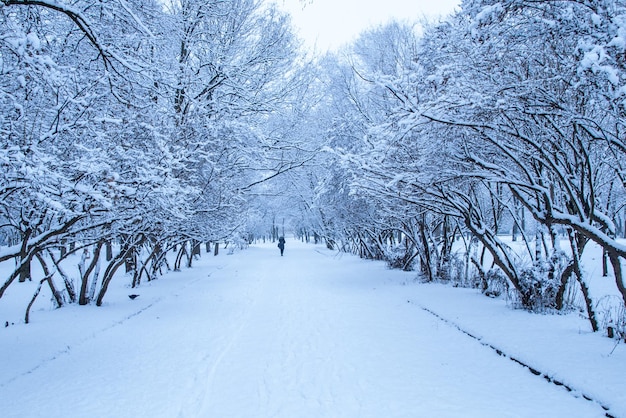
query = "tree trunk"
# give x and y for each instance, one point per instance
(516, 228)
(538, 254)
(196, 248)
(24, 258)
(46, 271)
(114, 264)
(25, 270)
(109, 251)
(427, 269)
(179, 256)
(130, 262)
(560, 295)
(576, 243)
(617, 271)
(83, 297)
(154, 257)
(32, 301)
(69, 286)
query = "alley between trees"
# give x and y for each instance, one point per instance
(310, 334)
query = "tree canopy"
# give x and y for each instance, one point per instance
(137, 129)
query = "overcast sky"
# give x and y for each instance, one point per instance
(328, 24)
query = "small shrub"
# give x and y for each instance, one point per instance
(399, 257)
(453, 270)
(496, 283)
(611, 314)
(538, 290)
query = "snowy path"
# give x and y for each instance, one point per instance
(257, 335)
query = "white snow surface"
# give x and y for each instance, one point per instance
(311, 334)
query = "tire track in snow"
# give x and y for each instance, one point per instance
(534, 370)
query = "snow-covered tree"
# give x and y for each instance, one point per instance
(133, 124)
(504, 105)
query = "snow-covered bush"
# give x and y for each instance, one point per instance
(495, 284)
(452, 269)
(400, 257)
(538, 291)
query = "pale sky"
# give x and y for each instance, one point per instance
(328, 24)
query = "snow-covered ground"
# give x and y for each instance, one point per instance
(310, 334)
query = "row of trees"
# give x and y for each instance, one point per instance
(507, 117)
(132, 128)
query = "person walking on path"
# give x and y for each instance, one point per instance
(281, 245)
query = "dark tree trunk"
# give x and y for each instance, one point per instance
(25, 270)
(577, 243)
(114, 264)
(617, 271)
(69, 286)
(83, 298)
(179, 257)
(195, 250)
(560, 295)
(129, 262)
(109, 251)
(46, 271)
(32, 301)
(24, 258)
(425, 257)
